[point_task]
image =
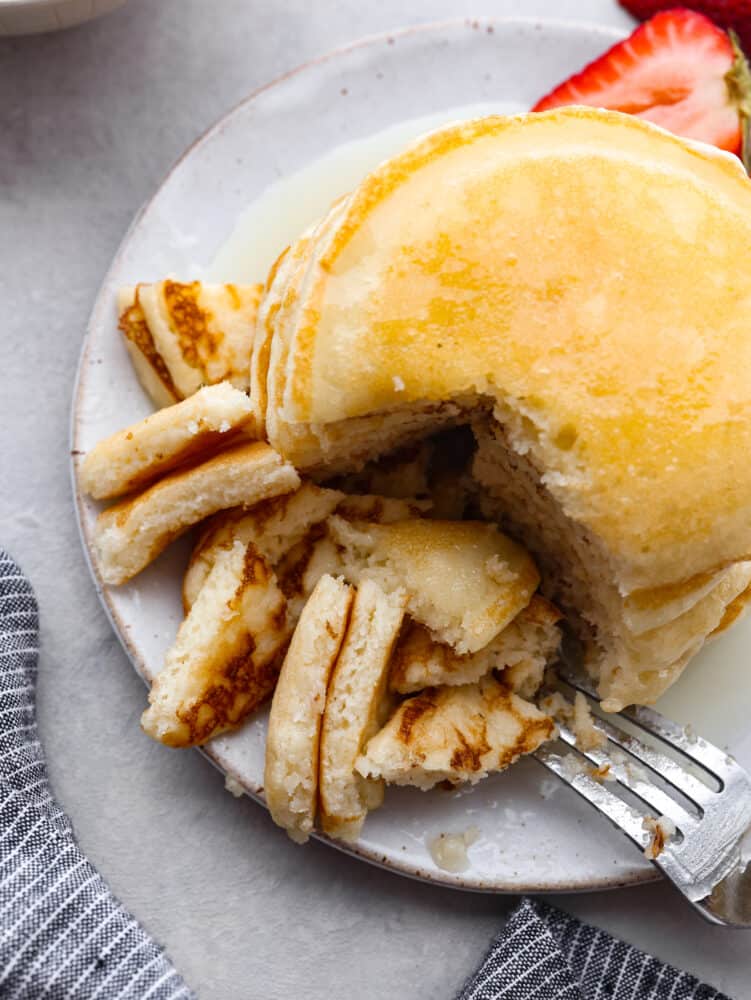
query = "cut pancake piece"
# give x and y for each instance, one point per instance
(132, 533)
(148, 363)
(130, 459)
(455, 734)
(181, 336)
(274, 526)
(318, 553)
(292, 743)
(287, 529)
(522, 650)
(356, 707)
(465, 580)
(226, 658)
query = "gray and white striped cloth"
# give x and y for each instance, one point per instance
(62, 932)
(64, 936)
(543, 954)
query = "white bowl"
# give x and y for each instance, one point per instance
(29, 17)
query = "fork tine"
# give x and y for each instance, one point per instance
(710, 757)
(715, 760)
(659, 802)
(620, 813)
(668, 769)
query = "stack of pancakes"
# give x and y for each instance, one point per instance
(575, 284)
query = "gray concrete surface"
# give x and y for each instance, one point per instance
(89, 122)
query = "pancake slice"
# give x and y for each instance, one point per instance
(455, 734)
(134, 531)
(356, 708)
(292, 743)
(181, 336)
(465, 580)
(522, 650)
(226, 658)
(130, 459)
(274, 526)
(289, 530)
(148, 363)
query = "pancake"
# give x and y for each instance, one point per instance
(357, 705)
(273, 526)
(181, 336)
(288, 530)
(292, 742)
(133, 532)
(465, 580)
(259, 358)
(455, 734)
(227, 655)
(132, 458)
(522, 650)
(291, 297)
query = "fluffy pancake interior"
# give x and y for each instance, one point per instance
(632, 664)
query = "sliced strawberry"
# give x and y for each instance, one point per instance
(677, 70)
(735, 14)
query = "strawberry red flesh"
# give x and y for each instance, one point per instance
(735, 14)
(674, 70)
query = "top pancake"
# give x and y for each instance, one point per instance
(585, 270)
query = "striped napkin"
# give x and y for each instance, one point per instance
(543, 954)
(64, 936)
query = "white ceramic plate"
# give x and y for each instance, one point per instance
(534, 834)
(31, 17)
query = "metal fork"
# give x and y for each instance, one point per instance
(703, 859)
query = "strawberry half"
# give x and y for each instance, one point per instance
(678, 70)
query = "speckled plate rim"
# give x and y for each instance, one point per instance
(638, 876)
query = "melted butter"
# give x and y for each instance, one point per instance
(291, 204)
(449, 850)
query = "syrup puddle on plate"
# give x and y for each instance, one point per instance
(291, 204)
